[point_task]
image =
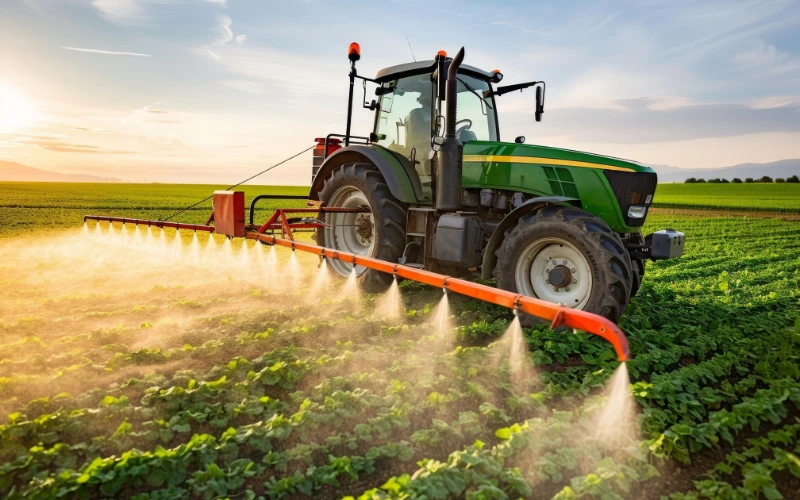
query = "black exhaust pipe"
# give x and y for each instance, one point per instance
(449, 157)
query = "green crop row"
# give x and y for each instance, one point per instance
(252, 402)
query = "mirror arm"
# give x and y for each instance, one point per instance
(510, 88)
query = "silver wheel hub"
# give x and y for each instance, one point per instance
(351, 232)
(554, 270)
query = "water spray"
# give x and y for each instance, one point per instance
(441, 315)
(195, 248)
(391, 304)
(351, 287)
(294, 266)
(244, 255)
(614, 424)
(177, 245)
(323, 278)
(272, 261)
(232, 225)
(162, 241)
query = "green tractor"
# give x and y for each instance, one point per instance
(439, 190)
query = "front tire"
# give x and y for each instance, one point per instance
(379, 234)
(567, 256)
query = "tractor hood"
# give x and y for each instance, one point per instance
(505, 152)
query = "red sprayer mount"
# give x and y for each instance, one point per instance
(228, 218)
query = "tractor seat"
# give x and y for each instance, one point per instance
(467, 135)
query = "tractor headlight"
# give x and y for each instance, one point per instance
(637, 211)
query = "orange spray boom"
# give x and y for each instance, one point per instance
(228, 218)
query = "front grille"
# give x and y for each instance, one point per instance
(632, 188)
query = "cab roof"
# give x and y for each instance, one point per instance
(420, 67)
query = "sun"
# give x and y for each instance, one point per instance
(16, 111)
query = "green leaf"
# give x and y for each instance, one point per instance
(182, 428)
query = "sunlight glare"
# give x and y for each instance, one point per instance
(16, 111)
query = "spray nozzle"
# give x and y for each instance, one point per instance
(517, 305)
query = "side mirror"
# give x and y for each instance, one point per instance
(520, 139)
(539, 104)
(436, 145)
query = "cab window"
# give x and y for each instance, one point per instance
(404, 120)
(476, 119)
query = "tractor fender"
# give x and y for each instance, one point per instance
(401, 178)
(489, 257)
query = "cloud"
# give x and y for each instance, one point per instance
(644, 121)
(225, 23)
(778, 101)
(268, 70)
(138, 112)
(604, 22)
(161, 143)
(89, 129)
(107, 52)
(221, 3)
(226, 33)
(213, 55)
(120, 11)
(225, 38)
(56, 142)
(244, 86)
(765, 60)
(509, 24)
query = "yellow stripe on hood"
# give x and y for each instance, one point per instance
(542, 161)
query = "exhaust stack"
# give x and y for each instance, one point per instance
(449, 158)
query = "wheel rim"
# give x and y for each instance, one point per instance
(554, 270)
(349, 232)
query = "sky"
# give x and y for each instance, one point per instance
(216, 90)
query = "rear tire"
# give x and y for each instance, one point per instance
(362, 184)
(596, 278)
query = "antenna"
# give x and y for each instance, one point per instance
(412, 50)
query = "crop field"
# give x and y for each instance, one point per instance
(136, 363)
(733, 197)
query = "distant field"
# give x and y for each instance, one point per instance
(28, 206)
(759, 197)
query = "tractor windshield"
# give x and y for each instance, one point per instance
(476, 118)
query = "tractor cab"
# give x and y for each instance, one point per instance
(433, 187)
(408, 113)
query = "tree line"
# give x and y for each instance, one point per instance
(749, 180)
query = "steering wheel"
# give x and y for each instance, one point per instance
(468, 125)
